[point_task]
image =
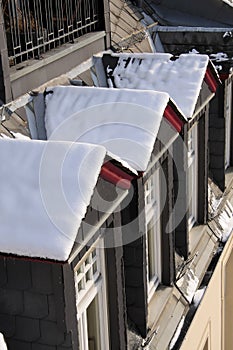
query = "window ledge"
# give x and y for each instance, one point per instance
(195, 235)
(166, 309)
(24, 68)
(158, 302)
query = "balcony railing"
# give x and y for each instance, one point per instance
(36, 26)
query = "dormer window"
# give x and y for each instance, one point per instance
(90, 283)
(153, 232)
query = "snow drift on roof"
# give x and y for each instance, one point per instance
(125, 122)
(2, 343)
(181, 78)
(45, 190)
(228, 2)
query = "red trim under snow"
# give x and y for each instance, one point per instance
(32, 259)
(224, 76)
(210, 80)
(173, 118)
(116, 176)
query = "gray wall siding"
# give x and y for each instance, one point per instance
(180, 195)
(217, 139)
(32, 305)
(230, 81)
(203, 131)
(116, 296)
(168, 243)
(135, 261)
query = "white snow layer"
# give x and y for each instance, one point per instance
(2, 343)
(125, 122)
(45, 190)
(198, 296)
(188, 283)
(181, 78)
(213, 200)
(219, 57)
(225, 220)
(177, 333)
(228, 2)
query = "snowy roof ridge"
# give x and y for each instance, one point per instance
(48, 189)
(181, 77)
(109, 117)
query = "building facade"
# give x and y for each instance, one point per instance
(168, 259)
(43, 40)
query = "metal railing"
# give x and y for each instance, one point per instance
(36, 26)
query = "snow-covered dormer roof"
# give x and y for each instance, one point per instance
(124, 121)
(181, 77)
(45, 189)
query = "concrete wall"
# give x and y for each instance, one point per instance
(35, 73)
(211, 327)
(227, 296)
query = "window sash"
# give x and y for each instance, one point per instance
(153, 232)
(96, 288)
(192, 185)
(154, 256)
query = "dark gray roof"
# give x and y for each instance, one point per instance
(210, 41)
(208, 13)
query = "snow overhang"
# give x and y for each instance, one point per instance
(216, 42)
(47, 190)
(126, 122)
(181, 77)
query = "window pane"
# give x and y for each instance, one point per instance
(153, 230)
(192, 175)
(95, 268)
(151, 252)
(88, 275)
(93, 325)
(80, 286)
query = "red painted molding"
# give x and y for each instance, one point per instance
(116, 176)
(32, 259)
(173, 118)
(211, 81)
(224, 76)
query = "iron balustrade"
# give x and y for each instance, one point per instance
(36, 26)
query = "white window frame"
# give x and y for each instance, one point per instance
(192, 180)
(228, 123)
(152, 221)
(95, 287)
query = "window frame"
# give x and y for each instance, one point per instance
(153, 222)
(96, 288)
(192, 165)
